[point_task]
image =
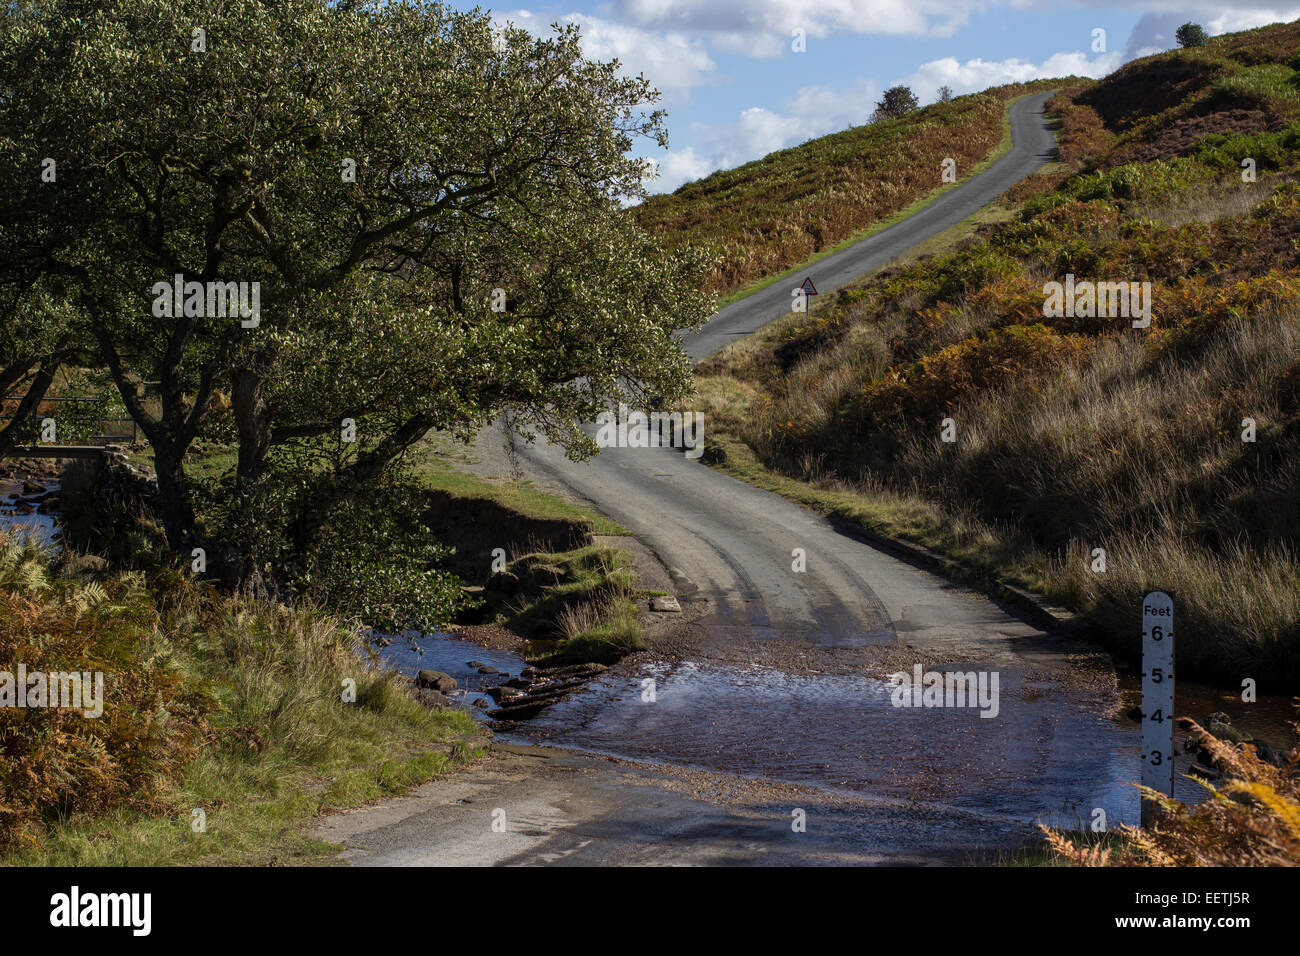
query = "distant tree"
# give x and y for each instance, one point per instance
(1191, 34)
(945, 93)
(897, 101)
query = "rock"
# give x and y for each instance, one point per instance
(487, 669)
(528, 672)
(665, 603)
(475, 664)
(482, 703)
(520, 682)
(1134, 714)
(1220, 724)
(435, 679)
(503, 694)
(49, 505)
(22, 508)
(33, 487)
(432, 698)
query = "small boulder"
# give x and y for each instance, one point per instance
(487, 669)
(666, 604)
(435, 679)
(33, 487)
(432, 698)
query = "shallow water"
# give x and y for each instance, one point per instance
(42, 528)
(442, 652)
(1046, 756)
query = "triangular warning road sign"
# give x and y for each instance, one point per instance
(808, 287)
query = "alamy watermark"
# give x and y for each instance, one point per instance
(77, 690)
(213, 299)
(632, 428)
(974, 689)
(1086, 299)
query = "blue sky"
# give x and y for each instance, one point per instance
(735, 89)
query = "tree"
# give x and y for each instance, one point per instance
(897, 101)
(376, 172)
(1191, 34)
(944, 93)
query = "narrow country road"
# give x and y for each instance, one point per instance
(1032, 145)
(732, 544)
(781, 703)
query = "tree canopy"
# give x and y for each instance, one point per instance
(427, 210)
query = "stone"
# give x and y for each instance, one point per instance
(435, 679)
(666, 604)
(487, 669)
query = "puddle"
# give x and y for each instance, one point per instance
(38, 527)
(441, 652)
(1049, 754)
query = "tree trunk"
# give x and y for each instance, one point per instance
(175, 509)
(252, 423)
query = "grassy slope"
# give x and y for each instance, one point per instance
(1081, 433)
(793, 206)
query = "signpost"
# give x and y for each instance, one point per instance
(1157, 697)
(808, 288)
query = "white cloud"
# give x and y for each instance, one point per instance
(763, 27)
(679, 166)
(978, 74)
(813, 111)
(670, 60)
(1247, 19)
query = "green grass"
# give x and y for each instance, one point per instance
(522, 497)
(585, 606)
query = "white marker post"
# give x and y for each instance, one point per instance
(1157, 697)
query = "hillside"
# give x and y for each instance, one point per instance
(1175, 448)
(769, 215)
